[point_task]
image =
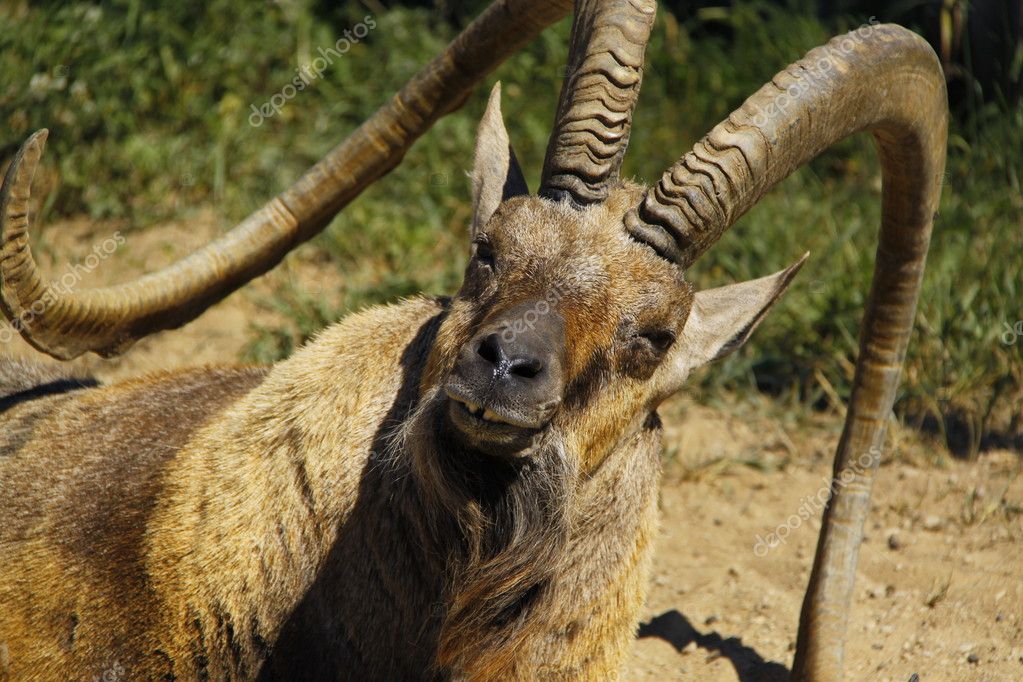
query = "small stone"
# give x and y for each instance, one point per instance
(710, 620)
(973, 659)
(878, 592)
(932, 522)
(894, 541)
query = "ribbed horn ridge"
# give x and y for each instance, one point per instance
(604, 73)
(884, 79)
(870, 79)
(108, 320)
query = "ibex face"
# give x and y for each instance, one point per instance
(562, 324)
(567, 328)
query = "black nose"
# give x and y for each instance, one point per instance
(512, 366)
(506, 359)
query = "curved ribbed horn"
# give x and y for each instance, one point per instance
(884, 79)
(605, 69)
(107, 321)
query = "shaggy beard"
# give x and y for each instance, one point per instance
(498, 528)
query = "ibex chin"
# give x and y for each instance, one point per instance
(458, 488)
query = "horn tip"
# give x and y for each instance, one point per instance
(36, 142)
(29, 154)
(16, 181)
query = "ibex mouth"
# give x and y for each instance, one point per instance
(485, 414)
(487, 429)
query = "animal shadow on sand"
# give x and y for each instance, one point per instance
(676, 630)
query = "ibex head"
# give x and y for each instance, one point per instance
(566, 322)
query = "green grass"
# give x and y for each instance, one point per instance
(148, 108)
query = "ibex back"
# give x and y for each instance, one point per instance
(458, 488)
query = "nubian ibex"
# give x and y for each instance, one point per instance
(458, 488)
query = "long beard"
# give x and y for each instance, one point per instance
(498, 527)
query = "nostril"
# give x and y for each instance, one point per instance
(527, 368)
(490, 349)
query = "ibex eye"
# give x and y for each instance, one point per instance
(660, 339)
(483, 252)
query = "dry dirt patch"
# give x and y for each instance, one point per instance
(940, 580)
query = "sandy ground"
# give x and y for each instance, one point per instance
(939, 590)
(940, 580)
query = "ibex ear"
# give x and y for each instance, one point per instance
(723, 319)
(496, 175)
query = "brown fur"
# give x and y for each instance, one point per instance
(79, 489)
